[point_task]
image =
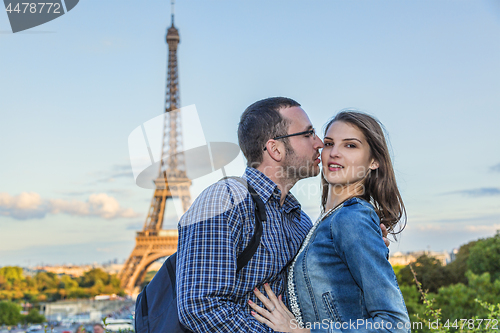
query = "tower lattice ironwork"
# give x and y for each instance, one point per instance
(153, 242)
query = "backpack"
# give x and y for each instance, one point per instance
(156, 305)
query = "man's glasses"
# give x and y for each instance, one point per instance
(311, 132)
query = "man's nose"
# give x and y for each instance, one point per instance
(318, 144)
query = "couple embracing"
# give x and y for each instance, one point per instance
(332, 275)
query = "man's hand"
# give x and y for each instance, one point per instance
(384, 234)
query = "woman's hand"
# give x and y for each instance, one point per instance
(384, 234)
(277, 316)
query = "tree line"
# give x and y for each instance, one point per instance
(453, 289)
(15, 289)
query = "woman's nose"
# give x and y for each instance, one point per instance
(334, 152)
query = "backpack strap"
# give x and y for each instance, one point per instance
(144, 303)
(260, 216)
(171, 271)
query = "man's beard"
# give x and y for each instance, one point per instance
(297, 168)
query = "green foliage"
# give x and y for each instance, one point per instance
(79, 293)
(467, 288)
(10, 313)
(493, 313)
(46, 286)
(432, 318)
(46, 281)
(485, 256)
(68, 283)
(412, 299)
(34, 317)
(458, 267)
(94, 277)
(431, 274)
(149, 276)
(458, 301)
(430, 314)
(397, 270)
(11, 274)
(482, 256)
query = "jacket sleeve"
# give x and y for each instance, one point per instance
(206, 266)
(358, 240)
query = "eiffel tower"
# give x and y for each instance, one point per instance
(153, 242)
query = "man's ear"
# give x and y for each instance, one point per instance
(275, 150)
(374, 165)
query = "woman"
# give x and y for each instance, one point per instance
(341, 279)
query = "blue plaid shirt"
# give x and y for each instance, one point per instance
(211, 296)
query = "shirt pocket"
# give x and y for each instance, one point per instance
(331, 307)
(275, 253)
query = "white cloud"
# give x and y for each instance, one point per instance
(426, 227)
(461, 227)
(481, 228)
(29, 205)
(26, 205)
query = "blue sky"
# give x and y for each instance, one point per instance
(73, 89)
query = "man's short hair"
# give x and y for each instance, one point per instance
(260, 122)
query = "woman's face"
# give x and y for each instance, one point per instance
(346, 156)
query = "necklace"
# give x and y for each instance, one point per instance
(292, 296)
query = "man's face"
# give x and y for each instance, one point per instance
(302, 158)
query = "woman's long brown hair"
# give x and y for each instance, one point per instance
(380, 186)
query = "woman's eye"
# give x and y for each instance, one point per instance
(328, 144)
(350, 145)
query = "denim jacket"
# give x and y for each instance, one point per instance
(343, 280)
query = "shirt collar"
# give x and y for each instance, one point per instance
(291, 203)
(266, 188)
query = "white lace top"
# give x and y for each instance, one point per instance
(292, 296)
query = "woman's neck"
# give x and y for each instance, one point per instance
(337, 194)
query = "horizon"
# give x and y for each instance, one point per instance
(118, 261)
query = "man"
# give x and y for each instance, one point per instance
(281, 147)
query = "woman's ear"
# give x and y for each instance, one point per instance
(374, 165)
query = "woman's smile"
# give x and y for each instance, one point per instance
(335, 167)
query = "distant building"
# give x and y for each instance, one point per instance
(453, 254)
(110, 267)
(82, 311)
(402, 259)
(31, 272)
(73, 271)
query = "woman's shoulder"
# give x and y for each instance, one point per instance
(357, 203)
(354, 214)
(354, 206)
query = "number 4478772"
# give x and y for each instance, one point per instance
(32, 7)
(471, 323)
